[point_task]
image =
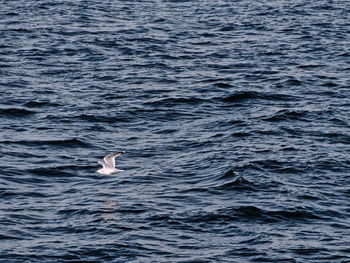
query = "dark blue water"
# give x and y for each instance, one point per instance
(235, 116)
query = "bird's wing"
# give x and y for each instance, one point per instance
(109, 159)
(103, 164)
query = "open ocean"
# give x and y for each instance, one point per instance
(235, 116)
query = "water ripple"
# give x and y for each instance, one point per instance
(234, 116)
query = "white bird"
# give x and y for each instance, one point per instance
(108, 164)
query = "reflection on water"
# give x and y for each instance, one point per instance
(108, 210)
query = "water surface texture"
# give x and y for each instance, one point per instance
(235, 117)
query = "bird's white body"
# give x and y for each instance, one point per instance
(108, 171)
(108, 164)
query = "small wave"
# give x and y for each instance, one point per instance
(15, 112)
(103, 119)
(247, 213)
(165, 131)
(216, 81)
(291, 82)
(229, 174)
(38, 104)
(340, 122)
(285, 115)
(53, 171)
(6, 237)
(228, 215)
(61, 170)
(333, 137)
(230, 27)
(10, 194)
(230, 181)
(66, 143)
(253, 95)
(133, 210)
(70, 212)
(235, 182)
(310, 66)
(88, 118)
(7, 194)
(225, 124)
(276, 166)
(241, 134)
(238, 184)
(223, 85)
(175, 101)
